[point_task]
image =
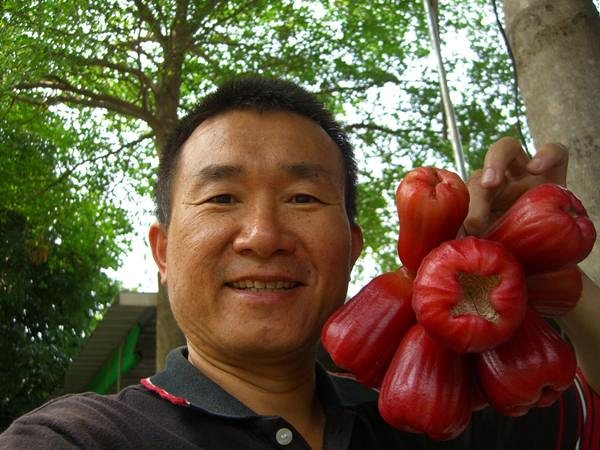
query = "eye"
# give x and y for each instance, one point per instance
(222, 199)
(304, 198)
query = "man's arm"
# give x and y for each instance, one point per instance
(508, 172)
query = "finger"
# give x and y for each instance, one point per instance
(505, 158)
(480, 203)
(551, 161)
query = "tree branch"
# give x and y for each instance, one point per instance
(146, 15)
(223, 20)
(356, 87)
(198, 15)
(68, 172)
(376, 127)
(143, 90)
(121, 68)
(219, 38)
(86, 97)
(181, 12)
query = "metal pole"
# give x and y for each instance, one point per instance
(459, 157)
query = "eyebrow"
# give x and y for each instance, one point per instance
(306, 170)
(216, 172)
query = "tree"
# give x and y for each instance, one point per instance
(56, 239)
(556, 46)
(138, 65)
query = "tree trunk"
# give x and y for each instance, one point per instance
(168, 333)
(556, 45)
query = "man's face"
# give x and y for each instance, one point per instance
(259, 247)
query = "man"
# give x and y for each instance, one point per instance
(255, 242)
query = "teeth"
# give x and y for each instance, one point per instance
(256, 285)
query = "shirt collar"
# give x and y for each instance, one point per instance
(183, 384)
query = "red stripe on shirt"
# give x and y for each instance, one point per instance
(179, 401)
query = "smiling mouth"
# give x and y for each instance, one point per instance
(263, 286)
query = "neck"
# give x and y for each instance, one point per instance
(271, 389)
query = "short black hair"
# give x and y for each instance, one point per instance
(260, 94)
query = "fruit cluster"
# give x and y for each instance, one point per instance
(461, 325)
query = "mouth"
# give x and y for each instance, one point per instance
(263, 286)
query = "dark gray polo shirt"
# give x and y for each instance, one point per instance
(181, 408)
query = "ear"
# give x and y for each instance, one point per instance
(357, 241)
(157, 236)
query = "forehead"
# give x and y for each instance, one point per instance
(262, 140)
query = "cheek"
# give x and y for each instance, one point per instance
(197, 237)
(186, 253)
(336, 238)
(332, 247)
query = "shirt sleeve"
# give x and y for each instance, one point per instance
(45, 427)
(74, 422)
(25, 434)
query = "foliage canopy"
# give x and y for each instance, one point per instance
(57, 236)
(143, 64)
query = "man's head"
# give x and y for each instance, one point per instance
(259, 244)
(259, 94)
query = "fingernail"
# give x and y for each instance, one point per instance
(535, 163)
(488, 175)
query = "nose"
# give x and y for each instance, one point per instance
(264, 232)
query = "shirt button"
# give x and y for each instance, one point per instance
(284, 436)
